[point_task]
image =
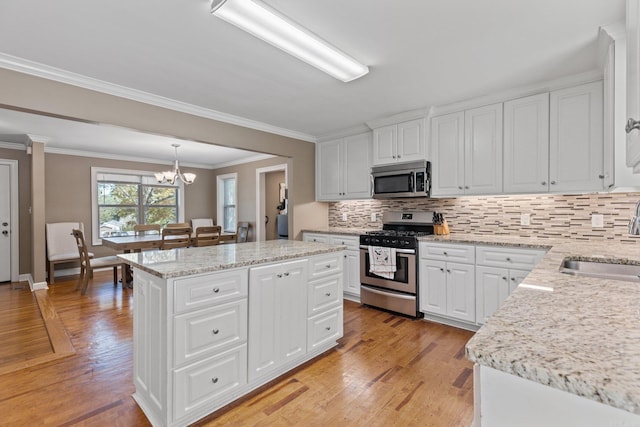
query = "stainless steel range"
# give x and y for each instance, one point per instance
(389, 262)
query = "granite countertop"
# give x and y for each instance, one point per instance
(183, 262)
(494, 240)
(577, 334)
(341, 230)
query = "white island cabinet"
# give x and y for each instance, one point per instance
(212, 324)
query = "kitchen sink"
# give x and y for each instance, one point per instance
(601, 270)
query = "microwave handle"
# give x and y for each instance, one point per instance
(371, 187)
(412, 182)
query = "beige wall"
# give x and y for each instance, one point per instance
(29, 93)
(247, 187)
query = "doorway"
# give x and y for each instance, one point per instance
(271, 201)
(9, 237)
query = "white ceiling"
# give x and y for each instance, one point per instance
(420, 53)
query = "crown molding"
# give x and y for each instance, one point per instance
(354, 130)
(520, 92)
(37, 69)
(398, 118)
(12, 146)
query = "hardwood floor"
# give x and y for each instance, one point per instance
(387, 370)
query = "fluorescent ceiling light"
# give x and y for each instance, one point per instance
(268, 24)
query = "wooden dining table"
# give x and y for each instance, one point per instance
(129, 244)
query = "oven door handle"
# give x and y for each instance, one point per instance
(398, 251)
(386, 293)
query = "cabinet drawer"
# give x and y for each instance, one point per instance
(324, 328)
(317, 238)
(448, 252)
(508, 257)
(209, 330)
(324, 294)
(201, 383)
(324, 265)
(351, 242)
(202, 291)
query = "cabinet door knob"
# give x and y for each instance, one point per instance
(445, 253)
(279, 275)
(553, 183)
(328, 266)
(543, 183)
(513, 279)
(466, 187)
(344, 256)
(328, 328)
(508, 259)
(504, 278)
(216, 290)
(214, 380)
(398, 156)
(601, 176)
(328, 294)
(448, 271)
(286, 273)
(459, 187)
(215, 331)
(393, 157)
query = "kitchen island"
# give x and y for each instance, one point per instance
(212, 324)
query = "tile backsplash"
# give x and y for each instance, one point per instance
(552, 215)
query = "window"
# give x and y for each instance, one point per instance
(122, 199)
(227, 200)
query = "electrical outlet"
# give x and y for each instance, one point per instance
(525, 219)
(344, 216)
(597, 221)
(374, 217)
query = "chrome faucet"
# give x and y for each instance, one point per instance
(634, 224)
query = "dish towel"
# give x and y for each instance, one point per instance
(382, 261)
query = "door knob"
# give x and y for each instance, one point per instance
(631, 125)
(5, 232)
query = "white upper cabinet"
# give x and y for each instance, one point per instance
(403, 142)
(467, 152)
(447, 144)
(483, 150)
(633, 82)
(343, 168)
(576, 139)
(526, 144)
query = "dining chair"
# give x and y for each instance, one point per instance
(87, 263)
(60, 245)
(175, 237)
(242, 234)
(208, 236)
(177, 225)
(201, 222)
(142, 229)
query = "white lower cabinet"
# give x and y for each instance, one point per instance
(202, 341)
(447, 288)
(277, 330)
(351, 279)
(468, 283)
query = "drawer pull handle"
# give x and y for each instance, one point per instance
(508, 259)
(215, 331)
(328, 328)
(216, 290)
(328, 294)
(504, 278)
(279, 275)
(328, 266)
(286, 273)
(513, 279)
(214, 380)
(448, 271)
(445, 253)
(441, 269)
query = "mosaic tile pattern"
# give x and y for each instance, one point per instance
(552, 215)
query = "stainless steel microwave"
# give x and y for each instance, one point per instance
(401, 180)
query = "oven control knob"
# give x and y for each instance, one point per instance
(394, 242)
(376, 240)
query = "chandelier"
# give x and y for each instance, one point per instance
(171, 176)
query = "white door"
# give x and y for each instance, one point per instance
(5, 223)
(357, 167)
(483, 150)
(447, 140)
(384, 145)
(576, 138)
(526, 144)
(329, 170)
(411, 141)
(461, 291)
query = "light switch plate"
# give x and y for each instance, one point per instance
(597, 221)
(374, 216)
(344, 216)
(525, 219)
